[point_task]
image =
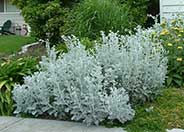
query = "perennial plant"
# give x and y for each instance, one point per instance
(92, 86)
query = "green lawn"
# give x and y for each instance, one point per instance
(12, 44)
(167, 112)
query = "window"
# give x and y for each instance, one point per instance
(10, 7)
(6, 6)
(1, 5)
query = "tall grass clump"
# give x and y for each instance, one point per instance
(92, 16)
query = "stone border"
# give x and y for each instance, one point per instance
(25, 48)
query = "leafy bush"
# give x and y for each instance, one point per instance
(172, 39)
(45, 17)
(48, 18)
(93, 16)
(92, 86)
(170, 34)
(12, 72)
(137, 10)
(72, 84)
(134, 63)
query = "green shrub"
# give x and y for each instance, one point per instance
(171, 34)
(45, 17)
(45, 20)
(93, 16)
(49, 19)
(12, 72)
(138, 10)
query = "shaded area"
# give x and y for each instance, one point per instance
(154, 10)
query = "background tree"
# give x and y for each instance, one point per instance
(45, 17)
(49, 19)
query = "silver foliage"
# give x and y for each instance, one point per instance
(134, 63)
(93, 87)
(72, 83)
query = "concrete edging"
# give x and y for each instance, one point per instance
(24, 48)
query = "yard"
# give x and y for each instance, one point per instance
(107, 64)
(167, 111)
(12, 44)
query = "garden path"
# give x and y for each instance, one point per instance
(12, 124)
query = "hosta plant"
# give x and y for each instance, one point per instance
(92, 86)
(11, 72)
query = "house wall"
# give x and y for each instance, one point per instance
(168, 8)
(15, 17)
(10, 12)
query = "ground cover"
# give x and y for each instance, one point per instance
(166, 112)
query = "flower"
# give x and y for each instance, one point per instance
(179, 47)
(176, 28)
(164, 32)
(181, 30)
(173, 21)
(177, 40)
(179, 59)
(169, 44)
(163, 23)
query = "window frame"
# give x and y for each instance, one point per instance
(8, 12)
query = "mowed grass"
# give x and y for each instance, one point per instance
(12, 44)
(166, 112)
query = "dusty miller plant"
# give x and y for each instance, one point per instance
(72, 83)
(133, 62)
(94, 86)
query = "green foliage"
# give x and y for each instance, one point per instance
(12, 44)
(171, 36)
(45, 17)
(45, 20)
(24, 3)
(138, 10)
(49, 19)
(12, 72)
(61, 48)
(166, 112)
(89, 44)
(93, 16)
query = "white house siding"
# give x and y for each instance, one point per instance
(10, 12)
(169, 8)
(15, 17)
